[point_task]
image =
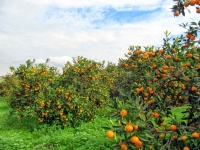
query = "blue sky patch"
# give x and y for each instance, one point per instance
(101, 17)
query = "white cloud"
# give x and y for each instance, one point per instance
(60, 61)
(48, 29)
(40, 60)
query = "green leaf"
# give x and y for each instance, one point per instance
(145, 106)
(122, 92)
(149, 135)
(189, 11)
(143, 137)
(107, 128)
(193, 23)
(183, 13)
(143, 117)
(136, 102)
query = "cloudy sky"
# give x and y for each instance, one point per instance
(96, 29)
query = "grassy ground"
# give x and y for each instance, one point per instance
(24, 135)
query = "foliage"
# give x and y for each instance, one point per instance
(159, 81)
(67, 99)
(153, 93)
(7, 83)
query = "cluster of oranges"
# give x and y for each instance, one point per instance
(134, 139)
(190, 36)
(163, 77)
(187, 3)
(193, 3)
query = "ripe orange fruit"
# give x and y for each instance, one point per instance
(155, 79)
(189, 55)
(135, 127)
(165, 67)
(192, 2)
(187, 64)
(193, 88)
(157, 73)
(184, 65)
(164, 71)
(126, 65)
(156, 115)
(186, 3)
(173, 127)
(163, 75)
(176, 13)
(124, 146)
(188, 35)
(138, 144)
(123, 113)
(192, 37)
(141, 89)
(120, 143)
(146, 94)
(129, 128)
(173, 50)
(186, 148)
(134, 139)
(168, 57)
(195, 135)
(151, 102)
(153, 54)
(198, 10)
(184, 138)
(161, 51)
(175, 137)
(110, 134)
(129, 53)
(154, 66)
(161, 136)
(136, 52)
(186, 45)
(183, 87)
(197, 2)
(138, 90)
(42, 104)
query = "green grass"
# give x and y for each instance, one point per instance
(28, 134)
(25, 135)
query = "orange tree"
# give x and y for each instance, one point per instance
(36, 89)
(118, 75)
(7, 83)
(88, 85)
(162, 79)
(67, 98)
